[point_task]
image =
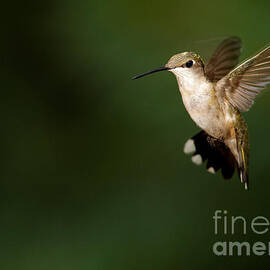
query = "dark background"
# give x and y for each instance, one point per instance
(92, 173)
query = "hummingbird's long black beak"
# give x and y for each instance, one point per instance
(150, 72)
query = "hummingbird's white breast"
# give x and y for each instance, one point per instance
(200, 100)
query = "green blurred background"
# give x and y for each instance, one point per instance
(92, 170)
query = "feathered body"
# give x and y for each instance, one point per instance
(212, 112)
(213, 95)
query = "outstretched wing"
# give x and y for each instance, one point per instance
(242, 84)
(224, 59)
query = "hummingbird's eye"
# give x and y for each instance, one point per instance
(189, 64)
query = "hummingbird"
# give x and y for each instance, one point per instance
(214, 95)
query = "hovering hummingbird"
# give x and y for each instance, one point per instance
(213, 95)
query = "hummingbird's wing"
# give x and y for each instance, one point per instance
(224, 59)
(247, 80)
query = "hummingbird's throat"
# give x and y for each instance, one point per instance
(188, 79)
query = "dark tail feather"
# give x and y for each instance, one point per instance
(204, 147)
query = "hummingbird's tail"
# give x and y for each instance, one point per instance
(243, 155)
(204, 147)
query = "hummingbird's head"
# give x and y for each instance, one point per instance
(186, 65)
(182, 65)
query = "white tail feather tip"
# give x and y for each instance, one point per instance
(211, 170)
(189, 147)
(197, 159)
